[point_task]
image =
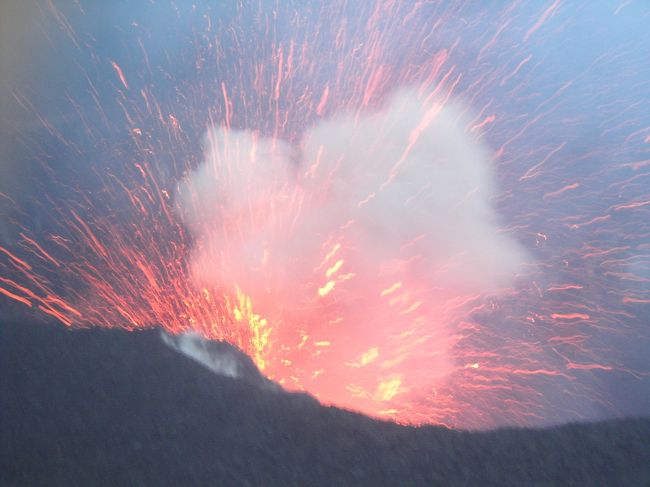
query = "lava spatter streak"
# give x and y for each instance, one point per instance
(435, 214)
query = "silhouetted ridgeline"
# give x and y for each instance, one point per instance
(109, 407)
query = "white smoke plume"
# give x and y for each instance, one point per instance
(396, 199)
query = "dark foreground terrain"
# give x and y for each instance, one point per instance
(113, 408)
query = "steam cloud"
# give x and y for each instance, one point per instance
(405, 191)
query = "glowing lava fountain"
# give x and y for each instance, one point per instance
(402, 208)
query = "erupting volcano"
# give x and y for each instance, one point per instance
(417, 211)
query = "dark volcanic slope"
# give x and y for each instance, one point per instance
(115, 408)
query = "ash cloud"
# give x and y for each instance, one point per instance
(405, 191)
(424, 177)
